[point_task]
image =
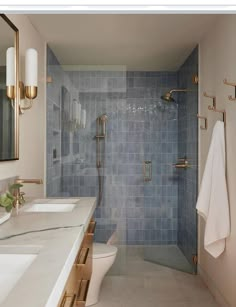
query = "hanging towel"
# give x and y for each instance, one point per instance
(212, 202)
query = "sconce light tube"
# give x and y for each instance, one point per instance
(78, 113)
(31, 73)
(83, 118)
(10, 73)
(31, 67)
(73, 110)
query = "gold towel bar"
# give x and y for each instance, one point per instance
(230, 97)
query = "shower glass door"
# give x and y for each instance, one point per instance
(170, 197)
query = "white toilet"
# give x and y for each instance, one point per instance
(103, 257)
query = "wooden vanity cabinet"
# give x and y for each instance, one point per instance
(76, 288)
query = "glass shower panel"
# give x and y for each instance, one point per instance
(142, 210)
(172, 238)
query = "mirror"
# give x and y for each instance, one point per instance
(9, 107)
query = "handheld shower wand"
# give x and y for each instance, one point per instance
(100, 135)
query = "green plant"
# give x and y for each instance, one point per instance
(7, 199)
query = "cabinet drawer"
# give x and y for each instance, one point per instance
(82, 293)
(91, 228)
(82, 257)
(68, 300)
(73, 279)
(75, 291)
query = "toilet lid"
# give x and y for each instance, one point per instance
(103, 250)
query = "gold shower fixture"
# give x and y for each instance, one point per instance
(168, 95)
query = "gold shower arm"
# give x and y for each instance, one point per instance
(178, 90)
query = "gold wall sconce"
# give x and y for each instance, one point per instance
(29, 90)
(230, 97)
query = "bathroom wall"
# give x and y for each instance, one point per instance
(32, 124)
(188, 146)
(218, 61)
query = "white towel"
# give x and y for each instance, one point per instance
(212, 202)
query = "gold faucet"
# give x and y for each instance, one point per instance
(19, 196)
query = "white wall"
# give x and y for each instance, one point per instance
(33, 123)
(218, 61)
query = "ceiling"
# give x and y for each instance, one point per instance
(141, 42)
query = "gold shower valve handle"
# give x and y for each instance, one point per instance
(183, 163)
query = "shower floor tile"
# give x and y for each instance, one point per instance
(151, 285)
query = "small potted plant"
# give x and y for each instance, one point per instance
(7, 200)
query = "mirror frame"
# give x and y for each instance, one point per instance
(17, 88)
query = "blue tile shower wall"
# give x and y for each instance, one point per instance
(152, 126)
(188, 140)
(140, 127)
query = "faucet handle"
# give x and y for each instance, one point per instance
(21, 196)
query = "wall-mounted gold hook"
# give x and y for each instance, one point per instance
(211, 97)
(219, 111)
(205, 121)
(230, 97)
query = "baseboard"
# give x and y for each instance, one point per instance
(213, 289)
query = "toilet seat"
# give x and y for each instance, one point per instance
(101, 250)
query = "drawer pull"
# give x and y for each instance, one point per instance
(65, 297)
(83, 255)
(91, 228)
(83, 291)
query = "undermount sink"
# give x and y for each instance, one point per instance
(12, 268)
(46, 207)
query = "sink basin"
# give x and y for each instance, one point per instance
(12, 268)
(51, 207)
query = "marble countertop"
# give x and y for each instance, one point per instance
(55, 238)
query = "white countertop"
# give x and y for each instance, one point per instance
(43, 282)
